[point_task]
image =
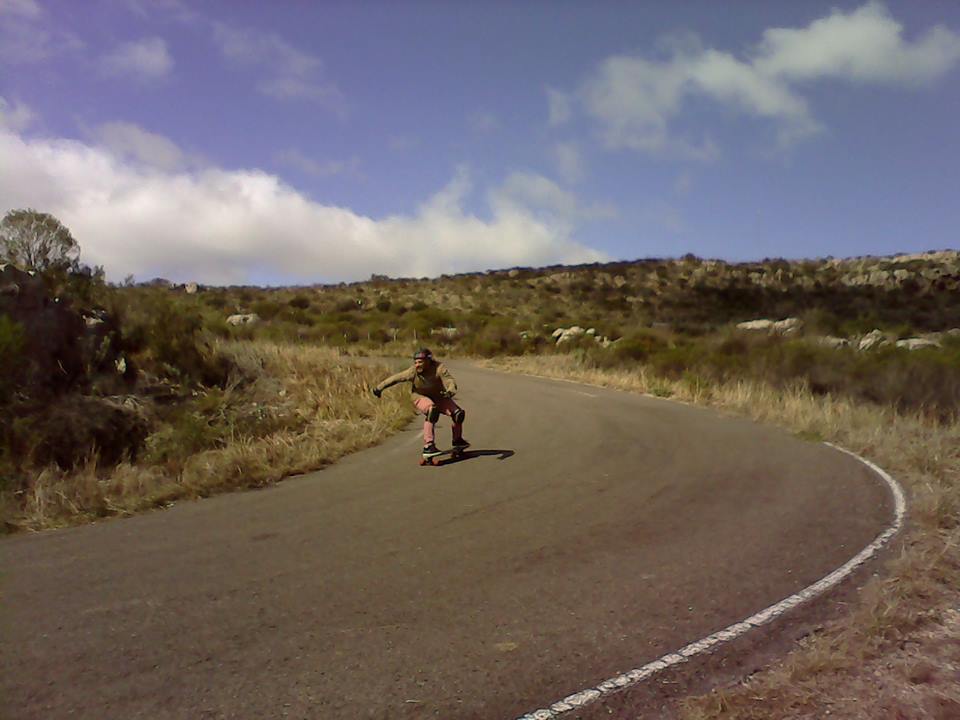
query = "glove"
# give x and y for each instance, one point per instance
(377, 391)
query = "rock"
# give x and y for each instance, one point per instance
(788, 326)
(872, 339)
(558, 332)
(917, 343)
(833, 342)
(570, 333)
(191, 288)
(592, 331)
(764, 325)
(249, 319)
(513, 273)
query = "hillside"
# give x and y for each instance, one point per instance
(903, 294)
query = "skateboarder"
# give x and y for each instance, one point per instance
(433, 388)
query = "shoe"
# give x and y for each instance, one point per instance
(431, 450)
(461, 444)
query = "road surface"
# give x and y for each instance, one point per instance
(589, 532)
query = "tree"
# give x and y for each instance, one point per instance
(37, 241)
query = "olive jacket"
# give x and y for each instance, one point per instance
(435, 382)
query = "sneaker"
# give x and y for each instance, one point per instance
(461, 444)
(430, 450)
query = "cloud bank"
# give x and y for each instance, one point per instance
(635, 99)
(134, 210)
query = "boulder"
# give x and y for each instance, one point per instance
(248, 319)
(191, 288)
(917, 343)
(764, 325)
(788, 326)
(571, 333)
(872, 339)
(833, 342)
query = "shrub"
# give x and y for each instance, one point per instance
(11, 355)
(166, 335)
(639, 346)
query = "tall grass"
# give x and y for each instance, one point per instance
(314, 406)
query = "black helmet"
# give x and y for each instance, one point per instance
(423, 353)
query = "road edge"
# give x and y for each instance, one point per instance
(633, 677)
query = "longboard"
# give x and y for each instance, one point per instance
(437, 460)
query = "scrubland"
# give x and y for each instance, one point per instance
(175, 402)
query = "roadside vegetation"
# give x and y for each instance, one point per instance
(117, 398)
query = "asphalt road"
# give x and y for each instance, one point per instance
(588, 533)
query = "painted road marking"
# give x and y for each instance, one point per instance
(632, 677)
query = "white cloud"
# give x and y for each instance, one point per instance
(529, 193)
(286, 72)
(15, 117)
(28, 36)
(296, 159)
(221, 226)
(131, 142)
(559, 107)
(566, 156)
(865, 45)
(145, 59)
(636, 100)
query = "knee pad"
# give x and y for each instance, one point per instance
(433, 414)
(458, 415)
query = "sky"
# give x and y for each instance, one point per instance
(294, 142)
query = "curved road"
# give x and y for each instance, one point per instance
(590, 532)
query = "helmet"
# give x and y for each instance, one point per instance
(423, 354)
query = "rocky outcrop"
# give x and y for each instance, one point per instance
(787, 326)
(917, 343)
(564, 335)
(871, 340)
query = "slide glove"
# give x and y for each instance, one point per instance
(377, 391)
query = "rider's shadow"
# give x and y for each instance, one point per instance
(500, 454)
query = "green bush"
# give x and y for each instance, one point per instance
(166, 335)
(11, 355)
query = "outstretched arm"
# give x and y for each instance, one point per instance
(404, 376)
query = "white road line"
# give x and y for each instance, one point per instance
(632, 677)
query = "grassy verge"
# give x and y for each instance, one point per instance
(897, 653)
(290, 410)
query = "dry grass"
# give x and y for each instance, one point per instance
(871, 663)
(335, 415)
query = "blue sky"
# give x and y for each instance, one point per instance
(296, 142)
